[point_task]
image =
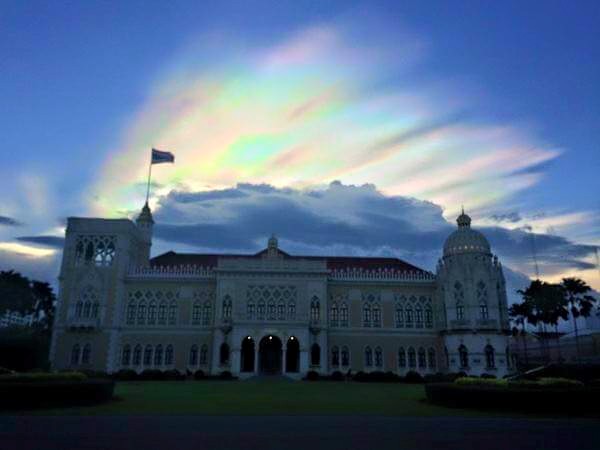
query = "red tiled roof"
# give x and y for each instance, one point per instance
(333, 262)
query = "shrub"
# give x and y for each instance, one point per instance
(41, 377)
(225, 375)
(95, 373)
(173, 375)
(559, 382)
(125, 375)
(198, 374)
(413, 377)
(474, 381)
(337, 376)
(5, 371)
(360, 376)
(312, 375)
(391, 376)
(151, 375)
(488, 376)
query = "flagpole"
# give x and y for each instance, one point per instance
(149, 176)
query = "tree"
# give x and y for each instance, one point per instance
(15, 293)
(580, 302)
(45, 304)
(519, 312)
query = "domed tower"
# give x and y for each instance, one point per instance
(145, 224)
(472, 291)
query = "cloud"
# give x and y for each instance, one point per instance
(9, 221)
(511, 217)
(48, 241)
(328, 101)
(343, 219)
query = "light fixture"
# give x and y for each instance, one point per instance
(248, 338)
(292, 338)
(270, 338)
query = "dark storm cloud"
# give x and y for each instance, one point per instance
(9, 221)
(48, 241)
(512, 217)
(344, 219)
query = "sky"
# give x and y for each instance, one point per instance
(354, 128)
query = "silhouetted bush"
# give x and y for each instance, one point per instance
(37, 377)
(95, 374)
(489, 376)
(225, 375)
(312, 375)
(199, 375)
(173, 375)
(413, 377)
(152, 375)
(337, 376)
(125, 375)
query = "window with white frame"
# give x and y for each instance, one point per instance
(378, 358)
(344, 314)
(412, 358)
(482, 300)
(368, 357)
(315, 309)
(193, 359)
(335, 356)
(345, 356)
(158, 355)
(169, 355)
(401, 358)
(126, 355)
(334, 314)
(98, 250)
(207, 313)
(204, 355)
(197, 313)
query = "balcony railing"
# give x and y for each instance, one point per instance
(188, 271)
(356, 274)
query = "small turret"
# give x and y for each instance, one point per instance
(145, 224)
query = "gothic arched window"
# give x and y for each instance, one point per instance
(334, 317)
(345, 356)
(366, 315)
(173, 313)
(344, 314)
(79, 309)
(75, 354)
(227, 307)
(401, 358)
(482, 300)
(152, 313)
(250, 310)
(376, 315)
(162, 313)
(412, 358)
(463, 356)
(158, 355)
(490, 357)
(87, 308)
(378, 357)
(399, 315)
(204, 355)
(281, 310)
(459, 297)
(137, 355)
(291, 310)
(148, 355)
(419, 316)
(169, 355)
(141, 313)
(335, 356)
(428, 316)
(368, 357)
(193, 360)
(206, 313)
(126, 355)
(315, 355)
(197, 313)
(86, 354)
(408, 315)
(271, 310)
(315, 309)
(261, 310)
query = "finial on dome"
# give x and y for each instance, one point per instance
(463, 221)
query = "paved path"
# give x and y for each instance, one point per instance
(290, 433)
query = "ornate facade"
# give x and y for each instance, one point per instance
(272, 312)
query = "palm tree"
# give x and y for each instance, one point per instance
(580, 303)
(519, 312)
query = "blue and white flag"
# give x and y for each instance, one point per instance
(159, 157)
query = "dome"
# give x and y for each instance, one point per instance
(465, 239)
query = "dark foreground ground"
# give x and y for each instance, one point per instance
(294, 432)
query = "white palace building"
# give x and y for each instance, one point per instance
(272, 312)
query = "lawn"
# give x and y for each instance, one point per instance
(265, 398)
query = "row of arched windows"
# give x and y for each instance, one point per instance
(413, 314)
(420, 358)
(148, 356)
(489, 352)
(340, 357)
(151, 313)
(202, 313)
(88, 305)
(270, 310)
(81, 355)
(338, 314)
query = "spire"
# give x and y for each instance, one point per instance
(145, 215)
(463, 221)
(272, 244)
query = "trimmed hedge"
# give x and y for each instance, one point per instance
(54, 393)
(515, 396)
(199, 375)
(35, 377)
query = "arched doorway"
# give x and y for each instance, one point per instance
(247, 356)
(270, 355)
(292, 356)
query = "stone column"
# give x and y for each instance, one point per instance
(283, 360)
(304, 361)
(234, 361)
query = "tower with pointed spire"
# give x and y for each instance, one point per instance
(145, 225)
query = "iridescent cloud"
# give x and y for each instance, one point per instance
(325, 103)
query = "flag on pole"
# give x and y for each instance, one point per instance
(159, 157)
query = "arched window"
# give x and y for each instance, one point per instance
(431, 358)
(376, 315)
(207, 313)
(334, 315)
(315, 309)
(401, 358)
(366, 315)
(162, 313)
(75, 354)
(399, 316)
(197, 313)
(126, 356)
(412, 358)
(408, 315)
(87, 308)
(141, 313)
(447, 356)
(419, 316)
(463, 356)
(169, 355)
(344, 314)
(131, 313)
(227, 306)
(204, 355)
(95, 310)
(86, 354)
(378, 357)
(193, 361)
(422, 358)
(281, 310)
(79, 309)
(315, 355)
(335, 356)
(291, 310)
(345, 356)
(158, 355)
(459, 297)
(173, 313)
(368, 357)
(271, 310)
(137, 355)
(224, 354)
(152, 313)
(261, 310)
(250, 306)
(428, 316)
(482, 300)
(490, 357)
(148, 355)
